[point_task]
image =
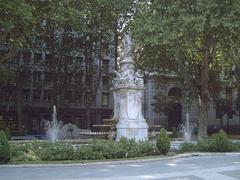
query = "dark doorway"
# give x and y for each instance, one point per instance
(175, 109)
(174, 116)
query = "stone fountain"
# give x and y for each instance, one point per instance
(52, 127)
(128, 87)
(187, 129)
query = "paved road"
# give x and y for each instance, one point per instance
(217, 167)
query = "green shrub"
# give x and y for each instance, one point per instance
(188, 147)
(85, 152)
(8, 134)
(29, 151)
(19, 151)
(148, 148)
(206, 145)
(163, 142)
(96, 149)
(110, 149)
(103, 150)
(57, 151)
(4, 148)
(236, 146)
(217, 143)
(221, 142)
(127, 148)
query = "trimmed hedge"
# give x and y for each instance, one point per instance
(217, 143)
(163, 142)
(4, 148)
(96, 149)
(8, 134)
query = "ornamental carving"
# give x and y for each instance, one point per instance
(126, 76)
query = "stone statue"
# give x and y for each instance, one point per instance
(128, 87)
(138, 79)
(120, 79)
(127, 46)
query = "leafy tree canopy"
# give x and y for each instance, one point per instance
(197, 40)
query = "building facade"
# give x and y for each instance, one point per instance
(176, 115)
(32, 88)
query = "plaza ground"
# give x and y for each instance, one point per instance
(225, 166)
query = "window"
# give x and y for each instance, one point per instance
(47, 77)
(49, 57)
(26, 95)
(37, 76)
(79, 62)
(69, 78)
(87, 97)
(27, 56)
(77, 96)
(46, 95)
(69, 60)
(78, 78)
(37, 57)
(36, 94)
(105, 83)
(105, 66)
(68, 96)
(220, 111)
(105, 99)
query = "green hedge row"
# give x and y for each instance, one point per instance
(4, 148)
(95, 150)
(217, 143)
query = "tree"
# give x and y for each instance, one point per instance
(64, 28)
(195, 37)
(16, 26)
(98, 35)
(85, 27)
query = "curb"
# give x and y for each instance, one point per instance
(186, 155)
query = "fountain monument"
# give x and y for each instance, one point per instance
(52, 127)
(187, 129)
(128, 87)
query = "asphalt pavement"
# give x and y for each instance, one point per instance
(225, 166)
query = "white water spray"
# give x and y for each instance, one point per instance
(52, 127)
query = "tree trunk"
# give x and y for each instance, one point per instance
(116, 46)
(19, 101)
(221, 123)
(203, 119)
(204, 98)
(88, 116)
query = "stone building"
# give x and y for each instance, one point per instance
(37, 101)
(37, 84)
(177, 114)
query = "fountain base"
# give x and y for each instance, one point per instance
(139, 132)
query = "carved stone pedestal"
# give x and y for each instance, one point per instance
(131, 123)
(128, 87)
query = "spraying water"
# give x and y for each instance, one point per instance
(187, 129)
(52, 127)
